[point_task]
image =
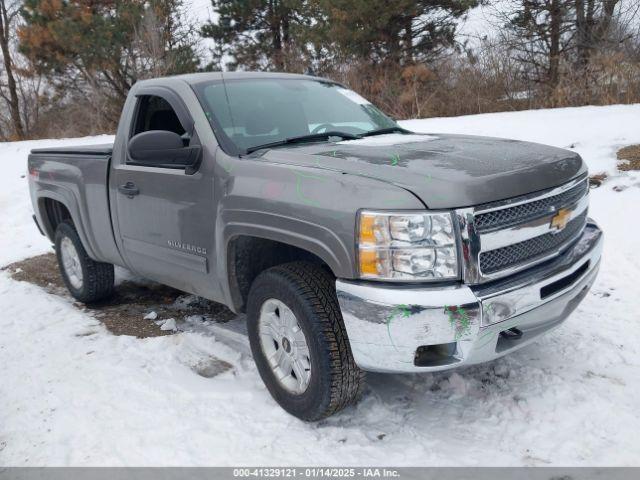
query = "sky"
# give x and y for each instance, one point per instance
(200, 12)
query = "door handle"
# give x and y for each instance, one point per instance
(129, 189)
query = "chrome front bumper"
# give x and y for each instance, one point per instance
(401, 328)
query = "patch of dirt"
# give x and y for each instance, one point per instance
(124, 312)
(41, 270)
(596, 180)
(629, 158)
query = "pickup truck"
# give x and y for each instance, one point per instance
(351, 244)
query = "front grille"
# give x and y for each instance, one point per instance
(528, 211)
(529, 250)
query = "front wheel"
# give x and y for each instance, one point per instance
(87, 280)
(299, 341)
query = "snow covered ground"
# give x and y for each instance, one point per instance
(73, 394)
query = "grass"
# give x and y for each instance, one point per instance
(629, 158)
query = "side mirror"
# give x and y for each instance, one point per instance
(161, 148)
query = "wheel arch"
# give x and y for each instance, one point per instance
(251, 241)
(54, 209)
(53, 212)
(249, 255)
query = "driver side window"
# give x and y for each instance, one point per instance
(155, 113)
(159, 139)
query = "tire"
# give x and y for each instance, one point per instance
(87, 280)
(308, 291)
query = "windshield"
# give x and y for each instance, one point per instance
(255, 112)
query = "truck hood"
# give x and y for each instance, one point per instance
(444, 171)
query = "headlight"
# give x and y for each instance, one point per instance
(407, 246)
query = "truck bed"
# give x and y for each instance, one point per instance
(77, 177)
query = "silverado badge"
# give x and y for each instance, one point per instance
(186, 247)
(560, 219)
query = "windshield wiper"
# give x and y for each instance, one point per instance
(383, 131)
(304, 138)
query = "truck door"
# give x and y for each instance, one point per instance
(165, 217)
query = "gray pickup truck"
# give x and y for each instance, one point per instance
(351, 243)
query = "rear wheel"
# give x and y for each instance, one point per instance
(87, 280)
(299, 342)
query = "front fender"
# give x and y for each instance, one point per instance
(309, 208)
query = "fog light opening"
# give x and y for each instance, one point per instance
(436, 355)
(512, 334)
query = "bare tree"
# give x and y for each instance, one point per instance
(539, 33)
(9, 91)
(594, 19)
(544, 34)
(162, 42)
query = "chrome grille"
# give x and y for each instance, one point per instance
(528, 211)
(506, 237)
(501, 258)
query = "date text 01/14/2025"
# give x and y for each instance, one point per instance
(316, 472)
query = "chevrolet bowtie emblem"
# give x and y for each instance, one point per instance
(560, 219)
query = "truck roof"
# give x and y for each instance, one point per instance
(196, 78)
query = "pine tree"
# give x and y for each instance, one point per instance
(399, 32)
(260, 34)
(289, 34)
(105, 46)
